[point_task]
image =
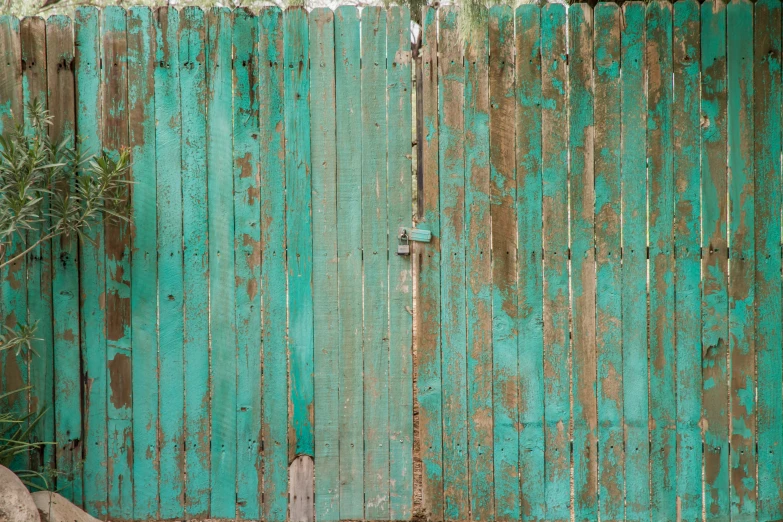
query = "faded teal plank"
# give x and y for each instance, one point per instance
(398, 87)
(144, 274)
(768, 317)
(349, 254)
(39, 260)
(687, 244)
(582, 221)
(299, 230)
(118, 266)
(92, 279)
(502, 192)
(192, 81)
(530, 269)
(65, 400)
(428, 333)
(273, 278)
(452, 292)
(223, 360)
(714, 331)
(375, 266)
(663, 452)
(608, 244)
(247, 264)
(325, 295)
(478, 263)
(742, 260)
(11, 101)
(13, 279)
(554, 164)
(634, 270)
(168, 160)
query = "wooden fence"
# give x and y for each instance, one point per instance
(597, 319)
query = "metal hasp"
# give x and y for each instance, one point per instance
(415, 234)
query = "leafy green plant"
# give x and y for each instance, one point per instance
(15, 430)
(54, 189)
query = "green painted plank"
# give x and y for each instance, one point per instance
(714, 336)
(480, 292)
(349, 259)
(298, 230)
(91, 278)
(582, 221)
(661, 265)
(554, 163)
(742, 260)
(530, 268)
(273, 276)
(220, 197)
(66, 396)
(634, 269)
(375, 266)
(428, 310)
(192, 80)
(247, 242)
(504, 304)
(39, 260)
(15, 371)
(398, 87)
(117, 271)
(608, 213)
(452, 293)
(687, 251)
(168, 159)
(144, 270)
(326, 319)
(768, 200)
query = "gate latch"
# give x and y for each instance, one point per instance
(407, 234)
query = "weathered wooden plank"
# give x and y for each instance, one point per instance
(13, 279)
(530, 269)
(398, 87)
(66, 378)
(11, 101)
(192, 80)
(714, 336)
(144, 269)
(247, 263)
(634, 270)
(451, 76)
(89, 94)
(661, 265)
(742, 260)
(375, 268)
(349, 237)
(39, 260)
(168, 159)
(273, 277)
(687, 251)
(325, 296)
(554, 161)
(220, 206)
(300, 254)
(504, 308)
(480, 292)
(582, 253)
(608, 199)
(117, 269)
(427, 342)
(768, 200)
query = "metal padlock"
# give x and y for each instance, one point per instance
(404, 246)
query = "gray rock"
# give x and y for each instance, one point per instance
(56, 508)
(16, 503)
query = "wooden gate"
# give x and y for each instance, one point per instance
(593, 331)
